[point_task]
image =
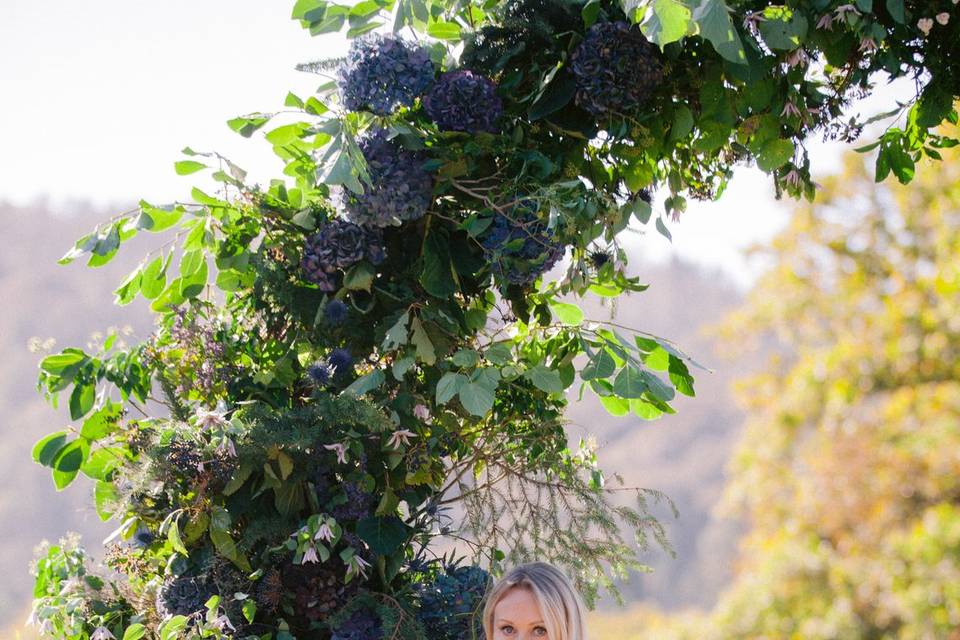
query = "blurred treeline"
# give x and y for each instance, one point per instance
(848, 471)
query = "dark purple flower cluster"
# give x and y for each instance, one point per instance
(520, 248)
(464, 101)
(449, 605)
(382, 73)
(403, 189)
(338, 245)
(202, 351)
(357, 506)
(363, 624)
(184, 596)
(616, 67)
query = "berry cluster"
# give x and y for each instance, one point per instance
(339, 245)
(464, 101)
(403, 188)
(449, 606)
(520, 248)
(382, 73)
(616, 69)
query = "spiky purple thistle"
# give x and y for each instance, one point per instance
(340, 360)
(335, 312)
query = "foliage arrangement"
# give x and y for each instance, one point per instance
(848, 470)
(344, 355)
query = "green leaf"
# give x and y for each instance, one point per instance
(444, 31)
(658, 359)
(466, 358)
(775, 154)
(713, 19)
(449, 385)
(186, 167)
(544, 378)
(70, 458)
(682, 124)
(437, 274)
(101, 462)
(644, 409)
(601, 365)
(629, 383)
(81, 400)
(401, 366)
(59, 362)
(615, 406)
(366, 383)
(896, 10)
(783, 28)
(105, 497)
(223, 542)
(668, 22)
(247, 125)
(170, 629)
(129, 288)
(157, 219)
(569, 314)
(47, 448)
(173, 536)
(680, 376)
(134, 632)
(102, 422)
(154, 279)
(657, 387)
(397, 334)
(360, 277)
(476, 399)
(384, 535)
(421, 341)
(499, 353)
(556, 95)
(249, 608)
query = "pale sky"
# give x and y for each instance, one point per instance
(101, 95)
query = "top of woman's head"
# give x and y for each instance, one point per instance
(560, 607)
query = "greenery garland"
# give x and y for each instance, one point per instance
(348, 352)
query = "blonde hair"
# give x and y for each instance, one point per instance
(559, 603)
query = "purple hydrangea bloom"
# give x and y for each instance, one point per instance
(363, 624)
(464, 101)
(616, 67)
(402, 189)
(382, 73)
(338, 245)
(335, 312)
(520, 248)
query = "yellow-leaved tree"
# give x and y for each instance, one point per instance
(848, 472)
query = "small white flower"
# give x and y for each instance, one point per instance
(825, 22)
(796, 57)
(356, 565)
(400, 437)
(868, 45)
(310, 555)
(790, 109)
(341, 450)
(943, 18)
(844, 9)
(222, 623)
(751, 20)
(925, 24)
(210, 419)
(102, 633)
(228, 448)
(793, 179)
(421, 411)
(71, 585)
(324, 533)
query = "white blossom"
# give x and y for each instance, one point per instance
(357, 565)
(341, 450)
(943, 18)
(102, 633)
(421, 411)
(925, 24)
(324, 533)
(223, 622)
(310, 555)
(401, 436)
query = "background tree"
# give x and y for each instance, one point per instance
(849, 471)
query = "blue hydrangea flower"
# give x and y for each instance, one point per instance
(520, 248)
(340, 360)
(363, 624)
(382, 73)
(402, 189)
(464, 101)
(616, 67)
(335, 312)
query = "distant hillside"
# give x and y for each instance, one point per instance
(682, 455)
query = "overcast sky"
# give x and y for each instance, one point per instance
(101, 95)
